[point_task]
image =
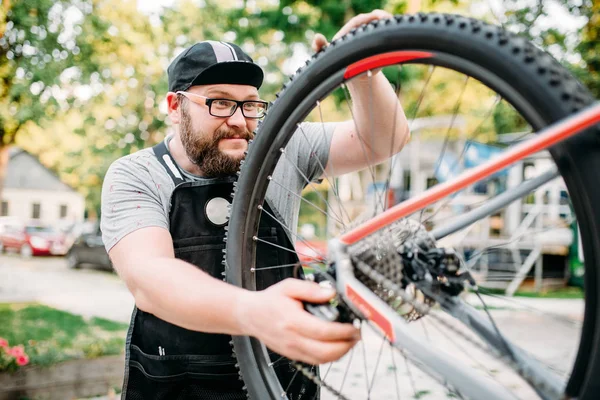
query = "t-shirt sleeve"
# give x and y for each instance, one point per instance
(130, 201)
(310, 145)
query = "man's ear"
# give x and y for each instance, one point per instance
(173, 108)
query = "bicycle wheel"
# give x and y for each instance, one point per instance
(511, 80)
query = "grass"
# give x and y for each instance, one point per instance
(50, 335)
(568, 292)
(421, 393)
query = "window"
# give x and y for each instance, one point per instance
(63, 211)
(36, 209)
(39, 229)
(406, 180)
(4, 210)
(431, 181)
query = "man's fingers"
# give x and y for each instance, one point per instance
(319, 41)
(312, 327)
(315, 352)
(306, 291)
(361, 19)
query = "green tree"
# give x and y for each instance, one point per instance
(116, 110)
(588, 71)
(577, 50)
(39, 43)
(103, 95)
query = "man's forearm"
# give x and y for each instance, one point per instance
(375, 104)
(182, 294)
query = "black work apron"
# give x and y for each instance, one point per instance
(165, 361)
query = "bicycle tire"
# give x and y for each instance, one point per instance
(539, 88)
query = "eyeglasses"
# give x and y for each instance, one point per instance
(225, 108)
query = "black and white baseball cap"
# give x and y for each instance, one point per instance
(212, 62)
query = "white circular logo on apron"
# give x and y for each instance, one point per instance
(217, 210)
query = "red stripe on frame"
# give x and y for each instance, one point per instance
(383, 60)
(371, 313)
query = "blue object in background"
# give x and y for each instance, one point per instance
(477, 153)
(474, 154)
(448, 167)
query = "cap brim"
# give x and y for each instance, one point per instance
(231, 72)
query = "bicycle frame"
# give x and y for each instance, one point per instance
(395, 328)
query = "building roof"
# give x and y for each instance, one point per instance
(25, 171)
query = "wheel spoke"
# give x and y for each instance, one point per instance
(392, 350)
(312, 185)
(430, 72)
(331, 180)
(560, 318)
(347, 369)
(410, 375)
(293, 234)
(383, 341)
(477, 255)
(366, 369)
(447, 136)
(451, 126)
(477, 130)
(276, 266)
(257, 239)
(359, 135)
(306, 201)
(290, 383)
(495, 204)
(465, 351)
(272, 363)
(393, 159)
(324, 133)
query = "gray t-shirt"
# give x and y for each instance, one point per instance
(137, 189)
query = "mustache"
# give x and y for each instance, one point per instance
(232, 133)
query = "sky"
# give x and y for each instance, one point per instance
(558, 16)
(149, 6)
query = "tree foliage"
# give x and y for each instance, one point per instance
(576, 49)
(38, 47)
(83, 81)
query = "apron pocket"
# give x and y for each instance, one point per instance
(205, 252)
(182, 377)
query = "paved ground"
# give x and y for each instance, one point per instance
(86, 291)
(98, 293)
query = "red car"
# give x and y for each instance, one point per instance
(310, 251)
(33, 240)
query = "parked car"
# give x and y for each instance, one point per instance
(32, 240)
(88, 249)
(311, 251)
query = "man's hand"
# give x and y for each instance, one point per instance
(277, 318)
(319, 41)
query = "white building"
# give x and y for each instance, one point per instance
(34, 193)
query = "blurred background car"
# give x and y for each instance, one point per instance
(32, 240)
(311, 251)
(88, 249)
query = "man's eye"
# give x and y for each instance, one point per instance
(223, 103)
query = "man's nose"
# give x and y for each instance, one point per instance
(237, 119)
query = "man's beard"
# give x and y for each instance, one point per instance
(203, 150)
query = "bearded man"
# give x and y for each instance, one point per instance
(164, 213)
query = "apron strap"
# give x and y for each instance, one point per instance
(164, 157)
